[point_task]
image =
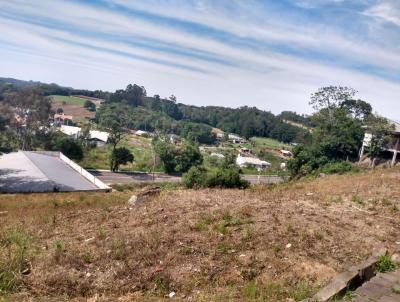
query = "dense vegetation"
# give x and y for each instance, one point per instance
(168, 116)
(338, 133)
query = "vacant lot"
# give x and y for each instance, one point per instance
(72, 106)
(262, 244)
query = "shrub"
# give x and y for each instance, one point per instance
(70, 148)
(199, 177)
(340, 167)
(385, 265)
(89, 105)
(195, 178)
(120, 156)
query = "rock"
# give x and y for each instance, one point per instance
(288, 246)
(322, 175)
(144, 195)
(172, 294)
(395, 258)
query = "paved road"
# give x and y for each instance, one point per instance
(123, 178)
(381, 288)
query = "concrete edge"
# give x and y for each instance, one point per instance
(97, 182)
(354, 277)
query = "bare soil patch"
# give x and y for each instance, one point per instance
(261, 244)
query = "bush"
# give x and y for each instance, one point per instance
(385, 265)
(70, 148)
(89, 105)
(199, 177)
(120, 156)
(340, 167)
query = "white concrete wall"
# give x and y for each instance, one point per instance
(84, 173)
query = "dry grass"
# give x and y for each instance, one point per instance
(207, 245)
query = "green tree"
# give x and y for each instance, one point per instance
(187, 156)
(120, 156)
(31, 110)
(178, 159)
(89, 105)
(381, 130)
(113, 119)
(70, 148)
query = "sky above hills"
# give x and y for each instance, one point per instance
(270, 54)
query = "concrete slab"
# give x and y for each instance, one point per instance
(24, 172)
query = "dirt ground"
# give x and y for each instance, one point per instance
(260, 244)
(78, 112)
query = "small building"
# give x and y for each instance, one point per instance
(236, 139)
(174, 139)
(72, 131)
(100, 138)
(142, 133)
(61, 119)
(286, 153)
(219, 134)
(251, 161)
(218, 155)
(392, 147)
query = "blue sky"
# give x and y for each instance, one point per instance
(270, 54)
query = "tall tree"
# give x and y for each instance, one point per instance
(31, 110)
(114, 120)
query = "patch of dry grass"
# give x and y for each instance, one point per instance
(261, 244)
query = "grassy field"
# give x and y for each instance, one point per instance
(72, 106)
(268, 143)
(260, 244)
(68, 100)
(98, 158)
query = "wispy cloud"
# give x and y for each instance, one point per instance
(271, 54)
(387, 11)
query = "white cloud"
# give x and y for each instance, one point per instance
(264, 78)
(387, 11)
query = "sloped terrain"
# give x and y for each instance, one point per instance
(261, 244)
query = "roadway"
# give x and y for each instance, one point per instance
(139, 177)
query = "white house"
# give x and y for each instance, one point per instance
(236, 139)
(251, 161)
(393, 146)
(99, 137)
(219, 155)
(142, 133)
(286, 153)
(75, 132)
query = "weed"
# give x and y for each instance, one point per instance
(59, 249)
(396, 289)
(119, 249)
(385, 265)
(162, 283)
(250, 291)
(88, 257)
(203, 222)
(319, 235)
(18, 245)
(347, 297)
(248, 234)
(301, 291)
(358, 199)
(386, 202)
(223, 247)
(102, 234)
(290, 228)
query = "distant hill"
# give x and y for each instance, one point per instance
(169, 116)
